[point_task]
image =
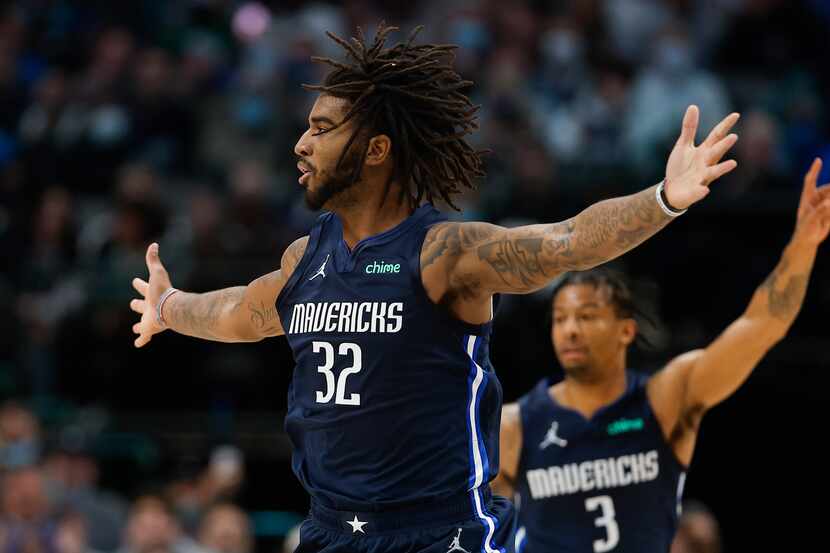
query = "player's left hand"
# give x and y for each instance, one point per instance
(813, 222)
(691, 168)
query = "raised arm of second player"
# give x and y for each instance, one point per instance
(466, 263)
(694, 382)
(237, 314)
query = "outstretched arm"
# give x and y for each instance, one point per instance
(526, 258)
(483, 259)
(237, 314)
(698, 380)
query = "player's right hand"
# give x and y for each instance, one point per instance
(150, 291)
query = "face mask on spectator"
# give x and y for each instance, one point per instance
(18, 454)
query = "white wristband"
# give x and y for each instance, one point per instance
(167, 293)
(670, 211)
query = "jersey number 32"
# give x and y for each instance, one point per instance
(338, 390)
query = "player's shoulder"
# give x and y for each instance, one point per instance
(292, 255)
(447, 240)
(667, 387)
(674, 373)
(688, 357)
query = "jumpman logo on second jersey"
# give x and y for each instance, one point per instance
(552, 438)
(456, 544)
(322, 270)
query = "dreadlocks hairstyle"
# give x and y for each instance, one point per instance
(412, 94)
(627, 304)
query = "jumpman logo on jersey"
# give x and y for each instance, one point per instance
(552, 438)
(456, 544)
(321, 270)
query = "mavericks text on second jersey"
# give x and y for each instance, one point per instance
(606, 484)
(595, 474)
(393, 402)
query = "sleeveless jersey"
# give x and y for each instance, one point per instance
(393, 402)
(608, 484)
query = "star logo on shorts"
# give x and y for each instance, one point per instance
(357, 525)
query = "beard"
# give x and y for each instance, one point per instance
(580, 368)
(585, 372)
(332, 185)
(577, 371)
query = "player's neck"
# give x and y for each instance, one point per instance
(587, 396)
(374, 213)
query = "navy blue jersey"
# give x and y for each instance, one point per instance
(610, 483)
(393, 402)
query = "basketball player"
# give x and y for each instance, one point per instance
(597, 461)
(394, 406)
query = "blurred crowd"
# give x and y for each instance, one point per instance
(127, 122)
(51, 500)
(122, 123)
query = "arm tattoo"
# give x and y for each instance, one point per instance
(438, 242)
(198, 314)
(610, 228)
(451, 239)
(527, 258)
(262, 315)
(517, 261)
(784, 304)
(218, 315)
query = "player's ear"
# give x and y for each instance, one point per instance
(629, 331)
(380, 149)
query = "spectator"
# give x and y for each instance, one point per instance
(152, 528)
(26, 523)
(662, 91)
(226, 529)
(760, 152)
(72, 474)
(71, 534)
(219, 482)
(20, 443)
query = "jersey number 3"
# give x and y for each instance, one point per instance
(345, 349)
(606, 520)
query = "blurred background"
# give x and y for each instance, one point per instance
(127, 122)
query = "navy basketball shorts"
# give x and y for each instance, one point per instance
(463, 525)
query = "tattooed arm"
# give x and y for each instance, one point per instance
(489, 259)
(238, 314)
(482, 259)
(692, 383)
